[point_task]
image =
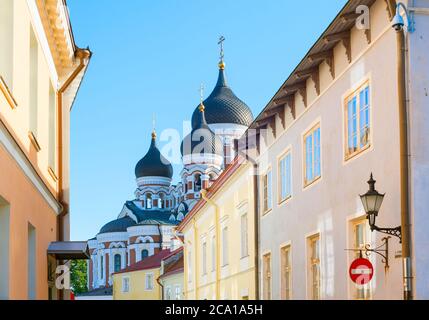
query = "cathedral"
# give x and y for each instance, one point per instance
(147, 224)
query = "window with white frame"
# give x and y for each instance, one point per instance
(285, 179)
(266, 276)
(168, 295)
(244, 236)
(6, 39)
(125, 284)
(213, 255)
(149, 281)
(267, 191)
(204, 257)
(33, 83)
(189, 265)
(357, 121)
(312, 155)
(360, 231)
(286, 273)
(225, 246)
(178, 293)
(314, 266)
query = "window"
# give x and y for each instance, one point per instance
(161, 201)
(149, 281)
(360, 241)
(314, 264)
(144, 254)
(357, 121)
(31, 260)
(101, 267)
(148, 201)
(312, 167)
(197, 182)
(6, 39)
(267, 276)
(244, 236)
(34, 61)
(189, 265)
(285, 181)
(168, 294)
(213, 253)
(52, 129)
(204, 255)
(117, 261)
(125, 284)
(225, 246)
(286, 273)
(267, 192)
(177, 294)
(4, 248)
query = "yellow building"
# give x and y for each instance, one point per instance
(219, 250)
(139, 281)
(41, 70)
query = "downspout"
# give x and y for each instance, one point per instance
(217, 232)
(196, 259)
(64, 207)
(404, 165)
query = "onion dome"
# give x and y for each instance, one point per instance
(223, 106)
(153, 163)
(118, 225)
(202, 140)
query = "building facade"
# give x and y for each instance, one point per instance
(219, 238)
(171, 276)
(333, 122)
(41, 69)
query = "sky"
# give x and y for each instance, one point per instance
(150, 57)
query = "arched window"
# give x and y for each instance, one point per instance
(145, 254)
(186, 187)
(161, 201)
(148, 201)
(117, 260)
(197, 182)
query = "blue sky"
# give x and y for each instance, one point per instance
(150, 57)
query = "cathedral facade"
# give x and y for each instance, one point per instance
(147, 224)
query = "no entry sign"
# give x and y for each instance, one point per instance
(361, 271)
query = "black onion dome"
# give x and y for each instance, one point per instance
(223, 106)
(118, 225)
(153, 163)
(202, 140)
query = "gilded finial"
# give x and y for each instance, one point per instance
(153, 127)
(201, 107)
(222, 53)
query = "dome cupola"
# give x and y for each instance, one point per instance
(154, 164)
(202, 140)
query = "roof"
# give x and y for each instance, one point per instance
(154, 164)
(202, 140)
(151, 262)
(150, 217)
(69, 250)
(223, 106)
(118, 225)
(97, 292)
(173, 263)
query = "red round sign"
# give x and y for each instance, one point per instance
(361, 271)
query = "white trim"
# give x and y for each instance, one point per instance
(18, 155)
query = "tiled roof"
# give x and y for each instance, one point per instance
(148, 263)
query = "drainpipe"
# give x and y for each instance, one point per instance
(196, 258)
(404, 165)
(162, 287)
(217, 232)
(82, 54)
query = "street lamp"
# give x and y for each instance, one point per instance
(372, 201)
(398, 22)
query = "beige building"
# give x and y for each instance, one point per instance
(41, 70)
(219, 238)
(333, 122)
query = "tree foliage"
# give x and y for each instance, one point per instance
(78, 276)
